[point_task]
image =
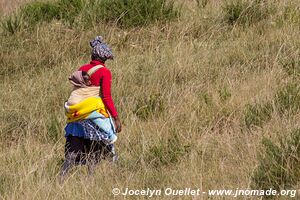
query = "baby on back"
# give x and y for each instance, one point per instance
(85, 103)
(82, 88)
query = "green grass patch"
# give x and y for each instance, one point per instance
(291, 65)
(257, 114)
(72, 9)
(290, 15)
(169, 152)
(125, 13)
(202, 3)
(53, 129)
(224, 93)
(66, 10)
(36, 12)
(287, 99)
(279, 163)
(130, 13)
(245, 13)
(11, 24)
(152, 105)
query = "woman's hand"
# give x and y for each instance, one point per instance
(118, 124)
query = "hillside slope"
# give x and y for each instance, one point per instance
(198, 92)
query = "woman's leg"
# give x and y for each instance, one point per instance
(73, 150)
(93, 151)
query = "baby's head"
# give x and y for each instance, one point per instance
(86, 78)
(80, 79)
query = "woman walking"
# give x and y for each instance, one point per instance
(85, 140)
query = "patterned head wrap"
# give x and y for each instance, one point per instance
(101, 51)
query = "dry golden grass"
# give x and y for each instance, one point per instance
(7, 6)
(186, 63)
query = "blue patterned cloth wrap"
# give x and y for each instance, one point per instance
(105, 124)
(100, 49)
(96, 127)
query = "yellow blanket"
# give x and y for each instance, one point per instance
(84, 108)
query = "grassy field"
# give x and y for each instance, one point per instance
(208, 99)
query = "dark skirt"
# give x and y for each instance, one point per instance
(86, 149)
(84, 138)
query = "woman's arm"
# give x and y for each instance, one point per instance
(105, 93)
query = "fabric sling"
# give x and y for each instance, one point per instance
(83, 101)
(91, 71)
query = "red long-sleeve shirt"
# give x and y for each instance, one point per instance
(102, 77)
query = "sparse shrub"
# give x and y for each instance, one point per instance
(54, 130)
(245, 12)
(207, 98)
(36, 12)
(257, 114)
(287, 99)
(168, 153)
(202, 3)
(130, 13)
(224, 93)
(11, 24)
(233, 11)
(66, 10)
(279, 163)
(291, 66)
(70, 9)
(126, 13)
(291, 14)
(152, 105)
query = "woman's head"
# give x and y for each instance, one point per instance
(101, 51)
